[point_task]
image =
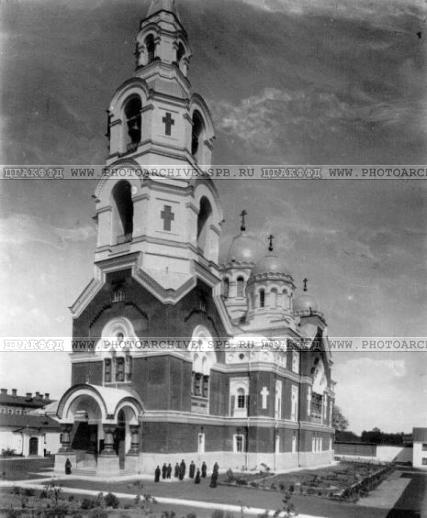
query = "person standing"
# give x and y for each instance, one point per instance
(204, 469)
(169, 471)
(176, 471)
(214, 479)
(164, 470)
(192, 469)
(197, 479)
(182, 468)
(216, 468)
(157, 474)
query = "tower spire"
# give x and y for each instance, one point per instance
(162, 5)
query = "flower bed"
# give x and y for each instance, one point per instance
(347, 481)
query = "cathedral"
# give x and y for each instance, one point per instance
(266, 398)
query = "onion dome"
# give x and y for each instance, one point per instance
(244, 248)
(271, 263)
(305, 303)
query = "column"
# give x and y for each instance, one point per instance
(134, 445)
(65, 437)
(108, 441)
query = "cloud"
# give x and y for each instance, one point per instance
(21, 229)
(379, 12)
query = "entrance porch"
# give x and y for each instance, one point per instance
(101, 430)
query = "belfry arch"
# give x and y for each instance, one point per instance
(122, 212)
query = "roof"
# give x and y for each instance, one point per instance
(30, 402)
(28, 421)
(419, 435)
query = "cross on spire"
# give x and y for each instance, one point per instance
(243, 220)
(167, 216)
(270, 245)
(168, 122)
(305, 281)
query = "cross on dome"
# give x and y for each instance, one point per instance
(243, 214)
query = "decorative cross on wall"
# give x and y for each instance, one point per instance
(167, 216)
(168, 122)
(270, 239)
(305, 281)
(264, 394)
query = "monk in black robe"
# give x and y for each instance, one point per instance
(204, 469)
(192, 469)
(182, 469)
(157, 474)
(169, 471)
(197, 479)
(214, 479)
(176, 471)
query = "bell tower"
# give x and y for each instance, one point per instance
(156, 200)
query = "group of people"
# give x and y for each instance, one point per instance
(165, 472)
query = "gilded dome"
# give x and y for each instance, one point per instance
(244, 249)
(271, 263)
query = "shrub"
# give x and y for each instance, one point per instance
(218, 513)
(13, 513)
(191, 515)
(16, 490)
(111, 500)
(88, 503)
(98, 512)
(8, 452)
(28, 491)
(229, 475)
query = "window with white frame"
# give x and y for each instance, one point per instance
(239, 397)
(294, 441)
(201, 443)
(238, 443)
(325, 408)
(308, 401)
(294, 403)
(295, 361)
(278, 400)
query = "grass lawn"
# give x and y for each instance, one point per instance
(232, 495)
(23, 468)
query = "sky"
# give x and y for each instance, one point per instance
(287, 82)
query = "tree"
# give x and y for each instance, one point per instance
(339, 422)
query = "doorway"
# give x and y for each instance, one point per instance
(34, 446)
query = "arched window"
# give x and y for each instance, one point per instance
(274, 298)
(240, 287)
(150, 47)
(203, 222)
(197, 135)
(123, 220)
(261, 298)
(132, 112)
(226, 287)
(180, 52)
(241, 399)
